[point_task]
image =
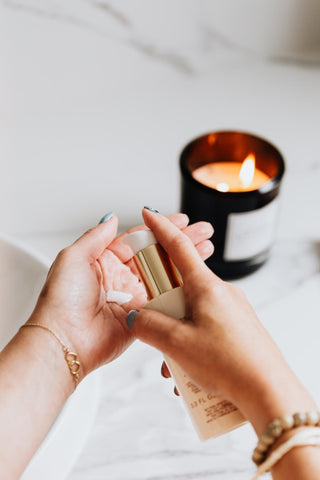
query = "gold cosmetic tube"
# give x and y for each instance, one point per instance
(210, 415)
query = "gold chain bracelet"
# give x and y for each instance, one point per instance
(70, 357)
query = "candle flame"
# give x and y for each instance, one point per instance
(247, 170)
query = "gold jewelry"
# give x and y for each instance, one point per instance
(70, 357)
(278, 426)
(310, 437)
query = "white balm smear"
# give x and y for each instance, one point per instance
(118, 297)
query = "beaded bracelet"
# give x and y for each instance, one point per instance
(306, 437)
(70, 357)
(277, 427)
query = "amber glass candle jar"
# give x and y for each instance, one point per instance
(243, 214)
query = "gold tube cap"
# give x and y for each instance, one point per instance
(156, 269)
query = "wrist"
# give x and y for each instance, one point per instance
(272, 397)
(45, 351)
(67, 333)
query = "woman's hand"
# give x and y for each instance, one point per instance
(73, 300)
(221, 344)
(73, 305)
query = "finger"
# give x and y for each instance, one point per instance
(198, 232)
(165, 370)
(124, 252)
(180, 220)
(179, 247)
(158, 330)
(205, 249)
(93, 243)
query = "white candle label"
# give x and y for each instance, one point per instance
(250, 233)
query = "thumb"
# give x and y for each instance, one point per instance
(93, 242)
(158, 330)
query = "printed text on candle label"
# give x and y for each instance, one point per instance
(250, 233)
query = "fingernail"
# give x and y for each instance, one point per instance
(154, 210)
(130, 317)
(164, 371)
(106, 217)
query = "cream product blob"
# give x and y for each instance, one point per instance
(118, 297)
(210, 415)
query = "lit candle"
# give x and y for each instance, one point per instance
(232, 180)
(231, 176)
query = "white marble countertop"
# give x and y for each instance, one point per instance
(96, 103)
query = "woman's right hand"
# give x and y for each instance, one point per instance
(221, 344)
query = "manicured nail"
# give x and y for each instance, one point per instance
(154, 210)
(106, 217)
(164, 371)
(130, 317)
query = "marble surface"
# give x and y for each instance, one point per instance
(97, 100)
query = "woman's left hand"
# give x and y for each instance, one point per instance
(73, 300)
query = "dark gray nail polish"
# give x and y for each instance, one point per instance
(154, 210)
(106, 217)
(130, 317)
